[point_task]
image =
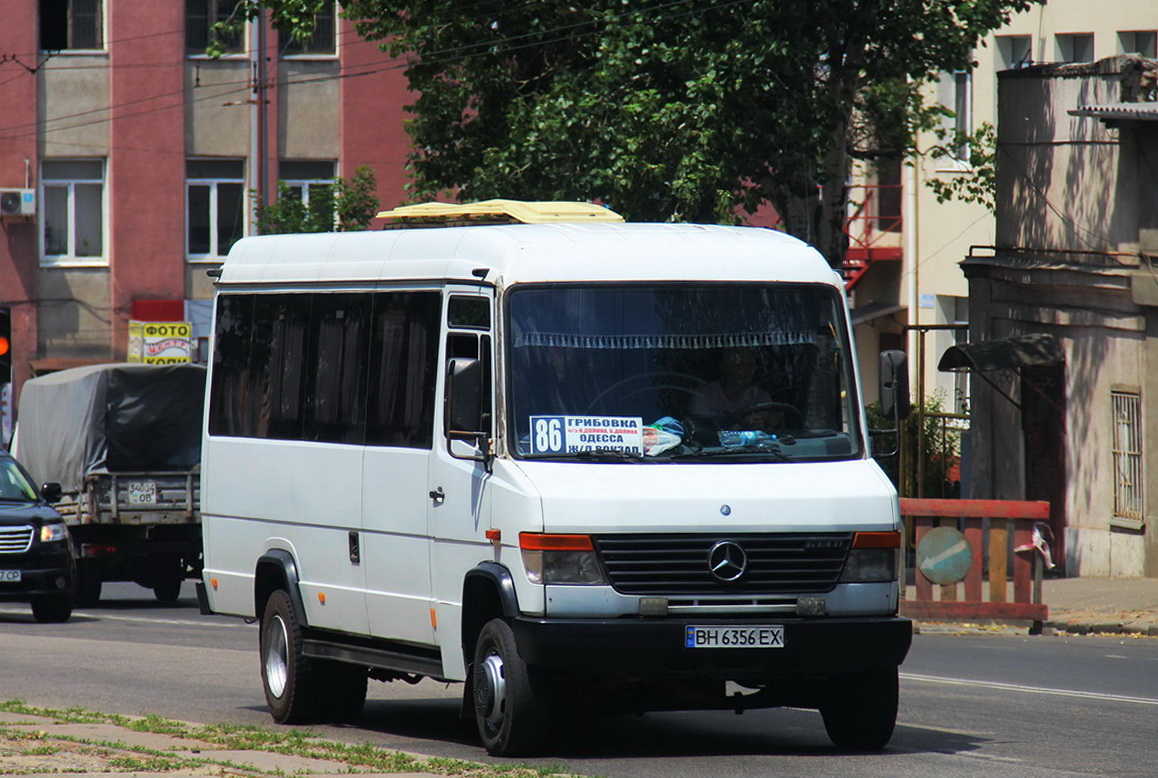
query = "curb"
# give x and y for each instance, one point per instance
(1143, 628)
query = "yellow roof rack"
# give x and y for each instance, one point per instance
(502, 212)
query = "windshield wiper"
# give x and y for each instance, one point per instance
(596, 454)
(753, 453)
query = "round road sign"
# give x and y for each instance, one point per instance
(944, 555)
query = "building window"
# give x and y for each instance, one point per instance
(71, 24)
(72, 227)
(1141, 42)
(1014, 51)
(963, 110)
(200, 18)
(322, 42)
(303, 175)
(214, 206)
(1075, 47)
(1128, 483)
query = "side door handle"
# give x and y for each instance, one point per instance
(438, 496)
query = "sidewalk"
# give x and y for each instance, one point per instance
(1102, 605)
(92, 746)
(1082, 606)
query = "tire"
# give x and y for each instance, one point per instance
(860, 711)
(291, 686)
(52, 608)
(168, 592)
(504, 698)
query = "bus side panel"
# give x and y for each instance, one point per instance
(301, 497)
(395, 546)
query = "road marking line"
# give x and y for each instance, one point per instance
(97, 616)
(231, 624)
(1014, 687)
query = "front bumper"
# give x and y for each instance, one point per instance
(654, 648)
(46, 572)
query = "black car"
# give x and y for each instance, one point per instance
(36, 561)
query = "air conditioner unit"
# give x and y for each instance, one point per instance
(17, 202)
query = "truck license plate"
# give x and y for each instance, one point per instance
(142, 492)
(752, 636)
(9, 576)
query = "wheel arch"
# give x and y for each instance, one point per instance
(488, 592)
(277, 569)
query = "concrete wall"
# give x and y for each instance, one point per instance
(1073, 210)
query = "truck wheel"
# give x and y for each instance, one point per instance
(52, 608)
(504, 698)
(291, 687)
(860, 711)
(167, 591)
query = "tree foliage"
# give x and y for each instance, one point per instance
(343, 205)
(977, 154)
(697, 110)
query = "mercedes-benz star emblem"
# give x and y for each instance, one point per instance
(727, 561)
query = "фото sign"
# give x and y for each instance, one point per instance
(160, 342)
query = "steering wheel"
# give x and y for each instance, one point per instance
(665, 375)
(788, 410)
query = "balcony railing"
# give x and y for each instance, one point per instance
(873, 228)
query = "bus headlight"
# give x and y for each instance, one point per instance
(873, 558)
(560, 559)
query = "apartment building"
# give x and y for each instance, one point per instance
(136, 159)
(906, 247)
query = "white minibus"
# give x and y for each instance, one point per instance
(578, 464)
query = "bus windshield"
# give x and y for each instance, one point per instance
(679, 372)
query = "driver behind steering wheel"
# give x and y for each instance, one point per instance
(733, 392)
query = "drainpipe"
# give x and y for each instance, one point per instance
(915, 339)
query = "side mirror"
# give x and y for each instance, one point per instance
(894, 388)
(467, 410)
(464, 397)
(51, 491)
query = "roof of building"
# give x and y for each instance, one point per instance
(1133, 112)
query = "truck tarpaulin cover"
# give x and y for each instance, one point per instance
(110, 418)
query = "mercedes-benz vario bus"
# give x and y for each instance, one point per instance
(578, 465)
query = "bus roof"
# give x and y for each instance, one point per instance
(516, 253)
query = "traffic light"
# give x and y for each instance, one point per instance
(5, 345)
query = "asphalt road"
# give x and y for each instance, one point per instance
(971, 704)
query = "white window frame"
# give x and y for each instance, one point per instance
(337, 19)
(243, 53)
(958, 84)
(70, 257)
(213, 184)
(103, 17)
(1129, 474)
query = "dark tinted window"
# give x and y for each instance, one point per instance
(403, 354)
(340, 367)
(200, 16)
(71, 24)
(321, 42)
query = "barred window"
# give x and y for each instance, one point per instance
(1128, 483)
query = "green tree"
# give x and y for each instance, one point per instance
(940, 443)
(697, 110)
(343, 205)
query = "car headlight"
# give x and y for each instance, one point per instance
(873, 558)
(560, 559)
(53, 533)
